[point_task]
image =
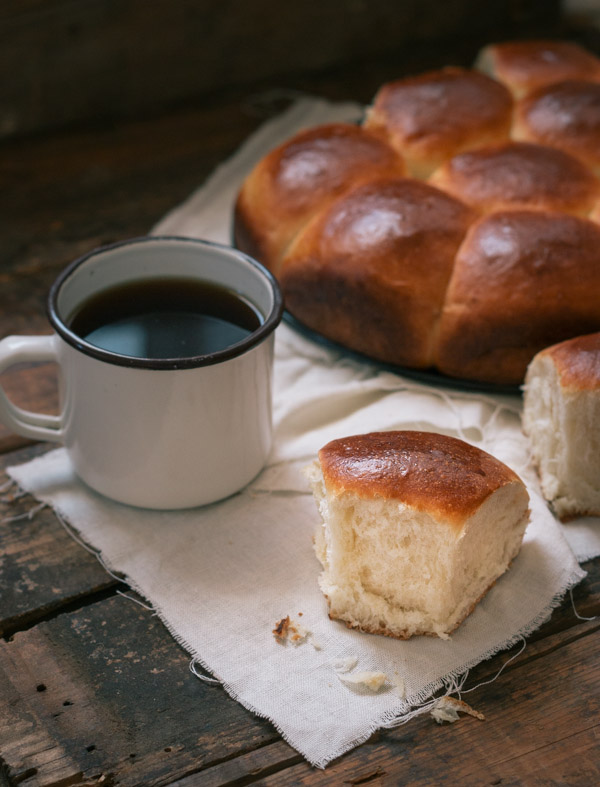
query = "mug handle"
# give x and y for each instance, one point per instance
(24, 349)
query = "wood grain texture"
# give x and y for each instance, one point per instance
(106, 691)
(42, 569)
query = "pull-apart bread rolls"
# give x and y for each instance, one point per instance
(522, 280)
(433, 116)
(561, 416)
(520, 175)
(565, 116)
(416, 528)
(371, 270)
(370, 255)
(299, 178)
(524, 66)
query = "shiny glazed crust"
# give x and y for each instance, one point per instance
(433, 116)
(524, 66)
(577, 362)
(522, 280)
(371, 270)
(565, 116)
(430, 472)
(299, 178)
(519, 175)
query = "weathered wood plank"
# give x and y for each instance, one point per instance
(278, 756)
(83, 693)
(106, 691)
(35, 388)
(542, 727)
(42, 568)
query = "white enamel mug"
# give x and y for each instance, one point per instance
(155, 433)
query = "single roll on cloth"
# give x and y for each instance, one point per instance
(561, 416)
(416, 527)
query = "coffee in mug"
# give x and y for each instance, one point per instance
(165, 353)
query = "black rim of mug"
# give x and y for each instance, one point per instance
(271, 321)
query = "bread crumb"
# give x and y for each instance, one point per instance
(372, 680)
(287, 630)
(345, 665)
(399, 688)
(281, 629)
(448, 708)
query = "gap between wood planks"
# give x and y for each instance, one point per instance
(74, 605)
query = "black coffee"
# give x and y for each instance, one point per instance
(165, 318)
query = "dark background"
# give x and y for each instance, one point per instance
(67, 63)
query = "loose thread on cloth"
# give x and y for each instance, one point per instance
(25, 515)
(201, 676)
(451, 685)
(102, 562)
(577, 615)
(11, 497)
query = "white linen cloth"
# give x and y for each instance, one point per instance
(220, 577)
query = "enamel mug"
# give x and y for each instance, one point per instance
(158, 433)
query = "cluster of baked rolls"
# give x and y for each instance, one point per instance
(456, 228)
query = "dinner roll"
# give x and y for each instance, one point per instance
(561, 416)
(522, 280)
(565, 116)
(430, 117)
(416, 527)
(519, 175)
(371, 270)
(524, 66)
(300, 177)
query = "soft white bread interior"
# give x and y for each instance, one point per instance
(561, 416)
(416, 527)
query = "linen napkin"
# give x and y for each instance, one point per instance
(220, 577)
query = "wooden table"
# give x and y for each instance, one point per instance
(93, 690)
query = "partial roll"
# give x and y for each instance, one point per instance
(416, 527)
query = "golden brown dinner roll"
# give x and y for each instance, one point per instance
(431, 117)
(370, 271)
(524, 66)
(300, 177)
(565, 116)
(561, 416)
(416, 527)
(519, 175)
(522, 280)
